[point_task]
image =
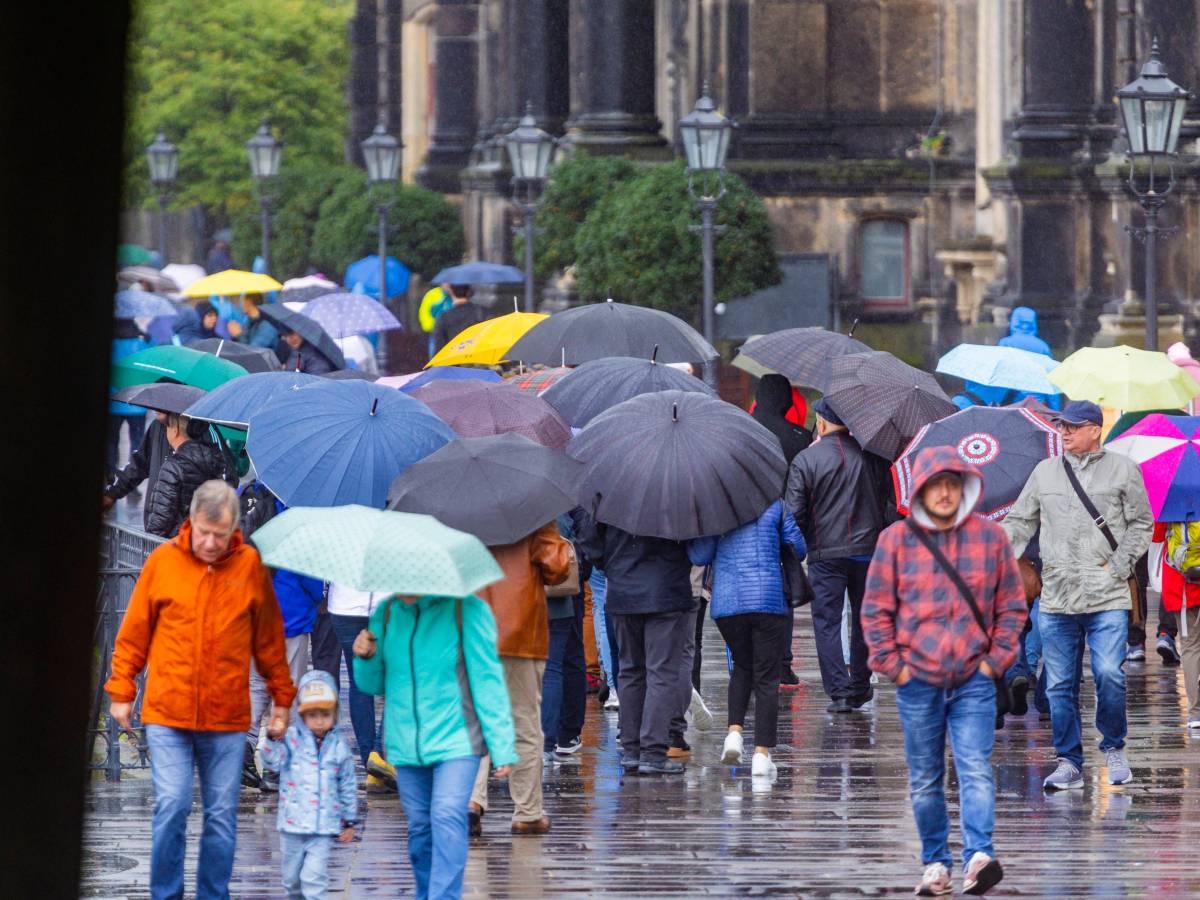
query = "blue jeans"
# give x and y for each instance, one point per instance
(305, 865)
(599, 590)
(968, 712)
(435, 804)
(362, 706)
(564, 686)
(1063, 636)
(174, 754)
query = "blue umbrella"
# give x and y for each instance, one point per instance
(479, 273)
(142, 304)
(235, 402)
(449, 373)
(341, 442)
(365, 273)
(1000, 367)
(343, 315)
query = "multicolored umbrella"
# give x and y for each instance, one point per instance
(1000, 367)
(479, 409)
(343, 315)
(486, 343)
(1167, 449)
(1125, 378)
(798, 354)
(1003, 443)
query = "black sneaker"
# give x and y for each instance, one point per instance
(862, 699)
(602, 694)
(1020, 695)
(1166, 649)
(250, 776)
(571, 746)
(665, 767)
(631, 761)
(474, 823)
(788, 679)
(841, 705)
(270, 782)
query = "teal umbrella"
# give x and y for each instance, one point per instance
(376, 550)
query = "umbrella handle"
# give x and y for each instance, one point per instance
(374, 405)
(853, 325)
(654, 356)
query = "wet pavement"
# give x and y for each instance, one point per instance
(836, 822)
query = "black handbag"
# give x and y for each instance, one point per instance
(796, 586)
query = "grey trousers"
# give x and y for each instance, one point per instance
(260, 700)
(686, 656)
(651, 647)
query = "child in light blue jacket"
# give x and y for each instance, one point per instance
(317, 797)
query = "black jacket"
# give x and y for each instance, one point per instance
(308, 359)
(144, 465)
(772, 400)
(189, 467)
(645, 574)
(835, 492)
(455, 319)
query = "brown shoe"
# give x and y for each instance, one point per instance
(678, 753)
(541, 826)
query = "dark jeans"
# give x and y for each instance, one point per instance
(756, 642)
(650, 646)
(564, 686)
(362, 706)
(137, 431)
(614, 650)
(701, 609)
(325, 648)
(687, 657)
(831, 578)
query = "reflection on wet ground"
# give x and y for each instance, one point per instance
(836, 822)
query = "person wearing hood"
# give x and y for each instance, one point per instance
(318, 802)
(944, 644)
(1181, 355)
(774, 408)
(192, 463)
(1023, 332)
(304, 357)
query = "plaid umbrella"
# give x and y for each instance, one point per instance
(798, 354)
(537, 380)
(479, 409)
(883, 401)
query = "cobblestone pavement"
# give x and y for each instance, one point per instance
(836, 823)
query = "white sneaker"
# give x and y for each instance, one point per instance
(1193, 723)
(763, 766)
(732, 754)
(702, 717)
(612, 702)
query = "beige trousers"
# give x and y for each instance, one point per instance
(524, 680)
(1190, 651)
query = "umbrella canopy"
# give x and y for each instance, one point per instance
(342, 315)
(364, 273)
(798, 354)
(232, 282)
(883, 401)
(536, 381)
(138, 304)
(600, 384)
(307, 328)
(447, 373)
(1000, 367)
(349, 375)
(1004, 444)
(498, 488)
(1167, 450)
(183, 274)
(598, 330)
(340, 442)
(373, 550)
(235, 403)
(160, 397)
(478, 409)
(171, 363)
(252, 359)
(133, 255)
(479, 273)
(310, 287)
(486, 343)
(396, 381)
(1125, 378)
(156, 280)
(678, 465)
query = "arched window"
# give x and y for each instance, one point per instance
(883, 263)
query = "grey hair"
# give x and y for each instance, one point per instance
(213, 499)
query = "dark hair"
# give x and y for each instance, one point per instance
(203, 308)
(462, 291)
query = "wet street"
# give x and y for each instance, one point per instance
(836, 823)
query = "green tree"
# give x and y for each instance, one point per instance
(636, 244)
(208, 73)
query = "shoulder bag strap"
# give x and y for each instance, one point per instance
(952, 572)
(1089, 505)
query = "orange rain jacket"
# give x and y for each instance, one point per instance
(194, 627)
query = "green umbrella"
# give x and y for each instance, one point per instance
(133, 255)
(171, 363)
(376, 550)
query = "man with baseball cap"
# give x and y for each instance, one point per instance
(1088, 555)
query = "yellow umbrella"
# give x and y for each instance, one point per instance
(1124, 378)
(232, 281)
(486, 343)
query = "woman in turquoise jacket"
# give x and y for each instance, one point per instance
(434, 660)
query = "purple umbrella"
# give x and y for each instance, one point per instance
(479, 409)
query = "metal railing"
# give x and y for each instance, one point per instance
(123, 551)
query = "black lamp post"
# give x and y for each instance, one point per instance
(381, 152)
(530, 150)
(1152, 107)
(163, 157)
(265, 153)
(705, 133)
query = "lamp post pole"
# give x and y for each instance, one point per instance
(529, 150)
(163, 159)
(708, 209)
(265, 153)
(383, 291)
(527, 213)
(163, 197)
(265, 225)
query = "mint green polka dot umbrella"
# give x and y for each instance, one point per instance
(377, 550)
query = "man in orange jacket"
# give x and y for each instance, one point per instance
(202, 607)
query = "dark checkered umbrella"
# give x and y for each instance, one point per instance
(252, 359)
(478, 409)
(537, 380)
(883, 401)
(798, 354)
(307, 328)
(603, 383)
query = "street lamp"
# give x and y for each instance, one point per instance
(1152, 108)
(705, 133)
(381, 152)
(529, 150)
(264, 152)
(163, 157)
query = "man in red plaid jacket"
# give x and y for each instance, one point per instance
(922, 634)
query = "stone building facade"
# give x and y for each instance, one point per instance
(952, 158)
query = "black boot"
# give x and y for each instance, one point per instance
(250, 776)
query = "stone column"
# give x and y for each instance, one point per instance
(455, 114)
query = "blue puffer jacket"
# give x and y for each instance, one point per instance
(316, 786)
(747, 575)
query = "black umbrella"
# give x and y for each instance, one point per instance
(798, 354)
(499, 488)
(252, 359)
(601, 384)
(306, 293)
(478, 408)
(350, 375)
(307, 328)
(598, 330)
(678, 465)
(883, 401)
(161, 396)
